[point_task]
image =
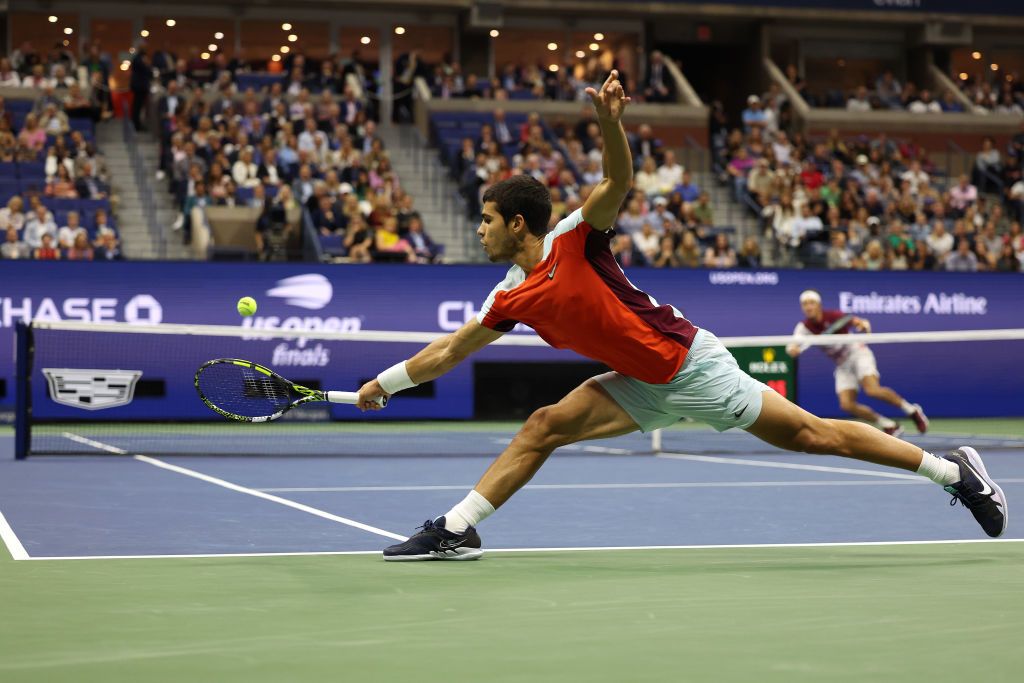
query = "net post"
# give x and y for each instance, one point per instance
(23, 390)
(656, 441)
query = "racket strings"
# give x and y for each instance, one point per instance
(243, 391)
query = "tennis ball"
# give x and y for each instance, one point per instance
(246, 306)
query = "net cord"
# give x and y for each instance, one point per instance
(523, 340)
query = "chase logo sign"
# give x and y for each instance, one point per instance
(311, 291)
(91, 389)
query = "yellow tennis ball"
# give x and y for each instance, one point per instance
(247, 306)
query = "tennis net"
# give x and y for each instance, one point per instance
(88, 388)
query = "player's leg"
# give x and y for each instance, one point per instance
(848, 404)
(961, 472)
(587, 412)
(873, 388)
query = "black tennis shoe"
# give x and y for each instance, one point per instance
(977, 492)
(434, 542)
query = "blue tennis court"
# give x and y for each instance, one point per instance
(716, 490)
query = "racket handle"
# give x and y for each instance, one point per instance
(350, 397)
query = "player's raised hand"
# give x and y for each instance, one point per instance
(610, 102)
(369, 395)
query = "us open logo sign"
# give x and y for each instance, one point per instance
(91, 389)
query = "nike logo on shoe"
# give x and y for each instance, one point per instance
(987, 490)
(452, 544)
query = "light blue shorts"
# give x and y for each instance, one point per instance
(710, 387)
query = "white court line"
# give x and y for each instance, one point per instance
(266, 496)
(737, 546)
(787, 465)
(238, 488)
(10, 539)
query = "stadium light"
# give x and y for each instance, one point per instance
(963, 76)
(495, 33)
(552, 46)
(594, 47)
(67, 43)
(212, 47)
(292, 38)
(399, 30)
(976, 55)
(286, 27)
(205, 55)
(580, 54)
(276, 58)
(285, 49)
(553, 68)
(365, 40)
(218, 36)
(170, 23)
(125, 64)
(144, 33)
(68, 31)
(994, 67)
(131, 50)
(52, 19)
(598, 36)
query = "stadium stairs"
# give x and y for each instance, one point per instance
(138, 239)
(422, 176)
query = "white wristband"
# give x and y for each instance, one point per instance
(395, 379)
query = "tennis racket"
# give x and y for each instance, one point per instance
(248, 392)
(831, 329)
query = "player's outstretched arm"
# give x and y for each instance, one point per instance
(602, 207)
(434, 360)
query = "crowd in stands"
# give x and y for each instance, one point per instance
(303, 144)
(54, 184)
(873, 203)
(536, 81)
(1004, 94)
(667, 221)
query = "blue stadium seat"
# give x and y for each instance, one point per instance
(32, 169)
(332, 245)
(8, 169)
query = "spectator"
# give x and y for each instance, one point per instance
(632, 220)
(874, 256)
(141, 79)
(939, 242)
(46, 251)
(32, 137)
(721, 254)
(688, 252)
(750, 254)
(425, 249)
(644, 144)
(702, 211)
(9, 78)
(753, 115)
(963, 259)
(916, 176)
(962, 195)
(107, 248)
(88, 186)
(739, 168)
(658, 87)
(327, 219)
(13, 215)
(950, 104)
(666, 256)
(888, 90)
(647, 242)
(13, 247)
(688, 190)
(859, 102)
(670, 173)
(624, 252)
(81, 250)
(38, 224)
(646, 179)
(61, 186)
(67, 235)
(924, 104)
(358, 240)
(1007, 262)
(987, 164)
(839, 256)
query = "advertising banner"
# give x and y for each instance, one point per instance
(973, 379)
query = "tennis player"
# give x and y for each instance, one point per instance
(855, 365)
(566, 285)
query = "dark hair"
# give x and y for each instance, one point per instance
(523, 195)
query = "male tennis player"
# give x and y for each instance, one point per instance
(566, 285)
(855, 365)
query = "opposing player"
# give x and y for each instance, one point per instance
(566, 285)
(855, 366)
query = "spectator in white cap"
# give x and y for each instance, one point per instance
(753, 115)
